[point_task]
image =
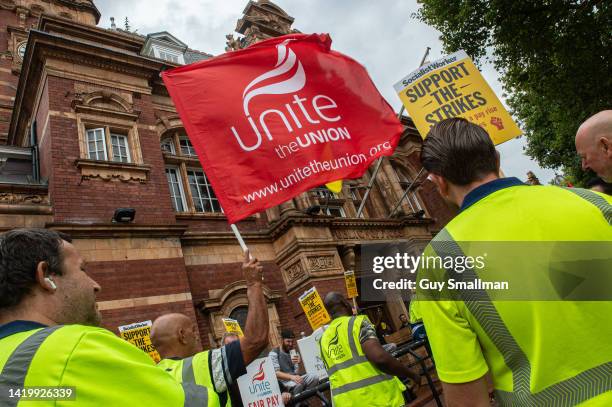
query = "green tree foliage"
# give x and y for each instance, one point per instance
(553, 57)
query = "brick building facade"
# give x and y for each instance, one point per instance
(86, 127)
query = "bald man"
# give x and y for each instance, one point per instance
(594, 144)
(359, 367)
(212, 372)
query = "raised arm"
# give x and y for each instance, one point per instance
(255, 337)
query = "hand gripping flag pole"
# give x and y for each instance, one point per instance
(379, 162)
(241, 242)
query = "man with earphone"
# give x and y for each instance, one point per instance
(50, 339)
(51, 283)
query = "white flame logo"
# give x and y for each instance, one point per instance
(286, 61)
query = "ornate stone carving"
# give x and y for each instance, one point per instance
(367, 234)
(7, 4)
(261, 20)
(23, 198)
(321, 263)
(232, 43)
(294, 272)
(109, 171)
(102, 99)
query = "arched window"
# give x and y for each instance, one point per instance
(240, 315)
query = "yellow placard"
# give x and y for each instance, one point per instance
(313, 308)
(454, 87)
(231, 325)
(351, 284)
(139, 334)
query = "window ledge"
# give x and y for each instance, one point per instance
(177, 159)
(110, 170)
(331, 201)
(207, 216)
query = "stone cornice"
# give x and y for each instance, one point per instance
(86, 6)
(297, 218)
(117, 230)
(198, 237)
(25, 199)
(360, 223)
(30, 189)
(295, 246)
(42, 45)
(25, 209)
(106, 112)
(100, 36)
(51, 23)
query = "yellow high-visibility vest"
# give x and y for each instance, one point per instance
(353, 379)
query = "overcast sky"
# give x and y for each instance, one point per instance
(380, 34)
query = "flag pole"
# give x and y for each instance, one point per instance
(422, 168)
(370, 184)
(241, 242)
(239, 237)
(405, 193)
(379, 162)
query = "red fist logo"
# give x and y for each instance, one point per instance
(497, 122)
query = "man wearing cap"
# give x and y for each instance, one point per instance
(286, 362)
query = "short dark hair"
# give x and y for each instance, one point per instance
(460, 151)
(20, 252)
(287, 334)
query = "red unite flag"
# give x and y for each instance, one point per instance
(280, 117)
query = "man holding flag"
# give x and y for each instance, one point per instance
(289, 115)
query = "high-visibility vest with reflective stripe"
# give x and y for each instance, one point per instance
(353, 379)
(103, 369)
(549, 353)
(194, 369)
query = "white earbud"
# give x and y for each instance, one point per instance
(51, 282)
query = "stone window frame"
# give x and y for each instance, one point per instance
(327, 209)
(241, 309)
(107, 143)
(99, 144)
(130, 130)
(211, 193)
(234, 296)
(329, 201)
(117, 123)
(184, 163)
(189, 147)
(181, 185)
(126, 146)
(169, 141)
